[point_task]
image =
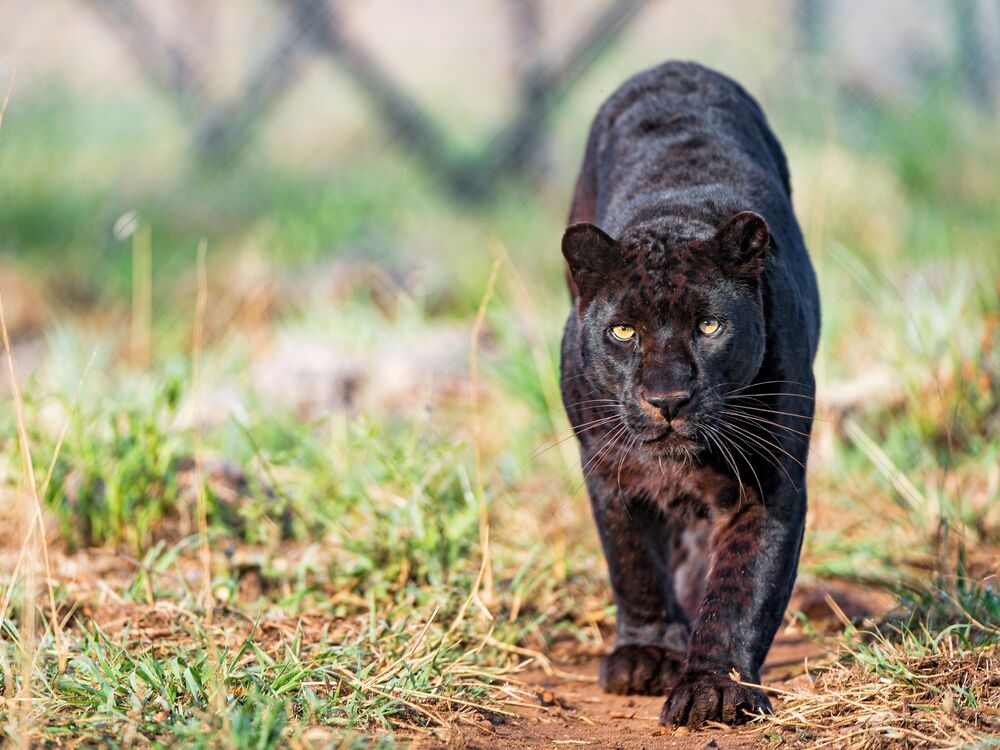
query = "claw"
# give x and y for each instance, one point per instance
(700, 697)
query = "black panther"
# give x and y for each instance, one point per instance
(687, 376)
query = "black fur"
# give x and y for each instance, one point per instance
(694, 437)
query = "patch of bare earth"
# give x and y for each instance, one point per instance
(569, 709)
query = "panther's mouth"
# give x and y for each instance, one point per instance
(671, 439)
(661, 437)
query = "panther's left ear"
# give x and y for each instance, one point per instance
(741, 244)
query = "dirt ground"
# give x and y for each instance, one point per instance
(572, 710)
(561, 707)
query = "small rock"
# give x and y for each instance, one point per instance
(546, 697)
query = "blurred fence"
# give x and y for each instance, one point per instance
(179, 49)
(314, 27)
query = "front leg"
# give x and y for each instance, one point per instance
(755, 551)
(652, 628)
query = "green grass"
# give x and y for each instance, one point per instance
(112, 689)
(346, 549)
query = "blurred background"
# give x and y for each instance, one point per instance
(285, 275)
(350, 172)
(302, 135)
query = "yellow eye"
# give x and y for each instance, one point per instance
(623, 333)
(709, 326)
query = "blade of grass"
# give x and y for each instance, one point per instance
(477, 427)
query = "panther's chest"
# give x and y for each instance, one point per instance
(686, 489)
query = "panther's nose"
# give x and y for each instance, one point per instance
(670, 404)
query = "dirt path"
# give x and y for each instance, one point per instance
(572, 710)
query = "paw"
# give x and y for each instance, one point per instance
(647, 670)
(698, 697)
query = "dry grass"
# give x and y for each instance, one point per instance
(946, 699)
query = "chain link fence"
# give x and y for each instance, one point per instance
(466, 90)
(205, 116)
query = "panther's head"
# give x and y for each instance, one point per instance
(671, 320)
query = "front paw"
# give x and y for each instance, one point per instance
(647, 670)
(702, 696)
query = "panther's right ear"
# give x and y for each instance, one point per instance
(591, 256)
